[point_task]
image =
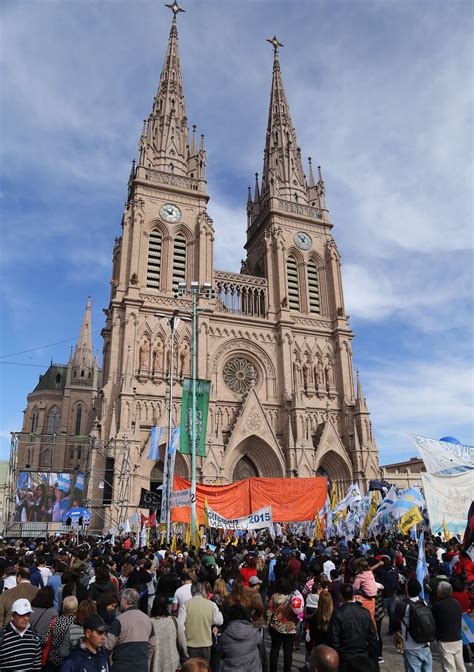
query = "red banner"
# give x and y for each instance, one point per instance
(291, 499)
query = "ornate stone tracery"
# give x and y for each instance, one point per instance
(240, 375)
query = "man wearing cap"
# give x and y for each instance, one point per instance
(89, 655)
(23, 589)
(20, 647)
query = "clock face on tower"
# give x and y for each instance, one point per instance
(303, 240)
(170, 213)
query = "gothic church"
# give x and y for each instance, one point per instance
(274, 339)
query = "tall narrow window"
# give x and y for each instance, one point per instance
(293, 284)
(54, 421)
(34, 420)
(179, 261)
(313, 287)
(154, 260)
(77, 428)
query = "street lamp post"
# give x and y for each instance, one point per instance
(195, 290)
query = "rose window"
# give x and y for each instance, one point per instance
(240, 375)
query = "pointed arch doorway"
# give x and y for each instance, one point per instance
(244, 468)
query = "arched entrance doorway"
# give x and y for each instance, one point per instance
(337, 471)
(156, 476)
(244, 468)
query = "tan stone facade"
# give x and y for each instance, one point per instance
(274, 340)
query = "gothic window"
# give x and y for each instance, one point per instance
(313, 287)
(293, 283)
(58, 380)
(34, 420)
(45, 458)
(171, 167)
(77, 426)
(54, 421)
(154, 260)
(179, 261)
(82, 373)
(240, 375)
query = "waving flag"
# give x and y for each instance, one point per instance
(352, 496)
(421, 568)
(174, 441)
(155, 440)
(406, 501)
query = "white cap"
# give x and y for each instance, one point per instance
(21, 607)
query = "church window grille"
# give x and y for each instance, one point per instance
(54, 421)
(240, 375)
(313, 288)
(293, 283)
(179, 261)
(154, 260)
(77, 429)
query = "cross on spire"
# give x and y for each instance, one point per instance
(276, 44)
(175, 8)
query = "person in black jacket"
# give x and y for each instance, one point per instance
(351, 630)
(102, 584)
(447, 613)
(90, 655)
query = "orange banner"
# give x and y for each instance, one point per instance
(291, 499)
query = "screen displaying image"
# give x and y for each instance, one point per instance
(46, 497)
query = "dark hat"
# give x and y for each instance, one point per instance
(95, 622)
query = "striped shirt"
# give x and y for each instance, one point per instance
(19, 652)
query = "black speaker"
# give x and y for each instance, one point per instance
(108, 479)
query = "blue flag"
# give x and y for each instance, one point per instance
(155, 440)
(174, 441)
(421, 569)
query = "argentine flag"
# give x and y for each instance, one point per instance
(406, 501)
(155, 440)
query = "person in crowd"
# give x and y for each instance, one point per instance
(197, 617)
(20, 646)
(138, 580)
(23, 589)
(58, 631)
(195, 665)
(417, 655)
(168, 581)
(56, 583)
(102, 584)
(319, 622)
(388, 576)
(44, 570)
(365, 585)
(334, 588)
(131, 638)
(323, 659)
(447, 614)
(170, 638)
(9, 580)
(89, 655)
(249, 569)
(351, 629)
(74, 586)
(282, 625)
(76, 630)
(239, 645)
(239, 595)
(43, 610)
(107, 607)
(183, 593)
(220, 593)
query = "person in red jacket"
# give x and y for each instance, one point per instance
(248, 570)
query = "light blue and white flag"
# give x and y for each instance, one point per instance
(352, 496)
(143, 536)
(467, 630)
(421, 568)
(64, 481)
(406, 501)
(155, 440)
(174, 441)
(80, 481)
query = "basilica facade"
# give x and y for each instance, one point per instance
(274, 339)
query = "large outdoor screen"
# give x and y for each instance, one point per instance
(46, 496)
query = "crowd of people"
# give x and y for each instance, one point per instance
(235, 607)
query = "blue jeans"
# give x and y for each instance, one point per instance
(418, 660)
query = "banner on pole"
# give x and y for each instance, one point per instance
(448, 498)
(412, 517)
(149, 499)
(203, 389)
(181, 498)
(257, 520)
(442, 457)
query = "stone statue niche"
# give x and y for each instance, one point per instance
(329, 374)
(157, 360)
(184, 360)
(144, 356)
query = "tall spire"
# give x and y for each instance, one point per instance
(83, 356)
(283, 174)
(361, 404)
(164, 140)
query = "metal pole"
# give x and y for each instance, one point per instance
(195, 291)
(168, 473)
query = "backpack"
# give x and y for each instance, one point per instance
(421, 623)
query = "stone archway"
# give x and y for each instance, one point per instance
(244, 468)
(156, 476)
(336, 469)
(255, 455)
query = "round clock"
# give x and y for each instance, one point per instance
(303, 240)
(170, 213)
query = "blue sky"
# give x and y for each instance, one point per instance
(381, 96)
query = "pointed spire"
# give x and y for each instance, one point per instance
(361, 405)
(311, 174)
(282, 170)
(193, 142)
(83, 355)
(257, 190)
(164, 143)
(249, 200)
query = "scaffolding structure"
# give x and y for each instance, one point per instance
(26, 451)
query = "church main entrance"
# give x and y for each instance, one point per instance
(244, 468)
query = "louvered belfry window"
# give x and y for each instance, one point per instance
(313, 287)
(179, 261)
(154, 260)
(293, 284)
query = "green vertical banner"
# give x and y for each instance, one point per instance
(203, 389)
